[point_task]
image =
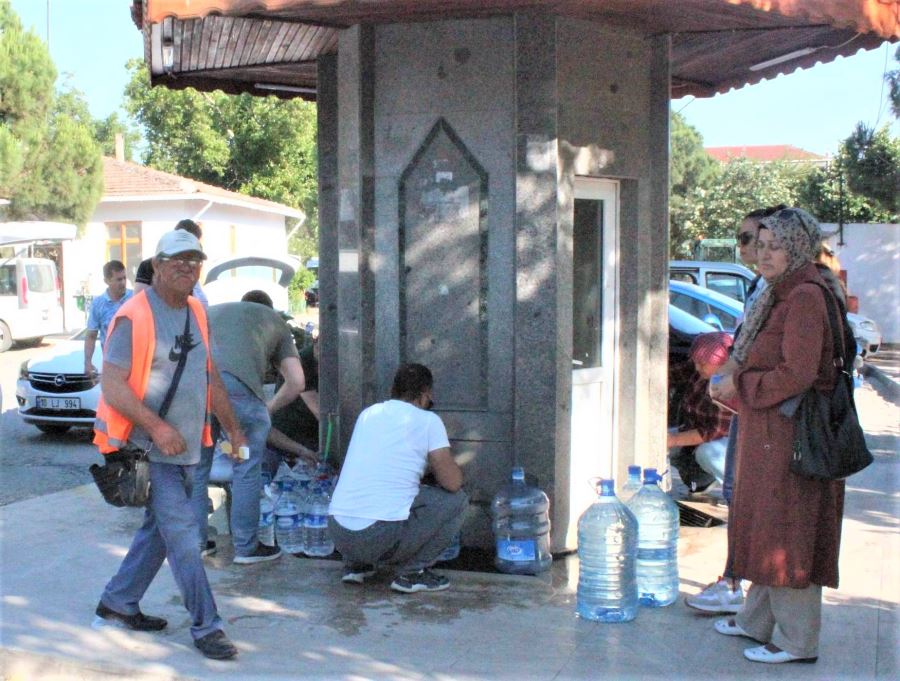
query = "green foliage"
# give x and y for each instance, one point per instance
(50, 166)
(261, 146)
(105, 131)
(892, 78)
(872, 162)
(690, 168)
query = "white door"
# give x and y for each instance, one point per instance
(594, 340)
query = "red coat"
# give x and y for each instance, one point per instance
(784, 530)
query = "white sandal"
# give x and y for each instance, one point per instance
(729, 627)
(778, 656)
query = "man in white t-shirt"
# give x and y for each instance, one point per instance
(381, 513)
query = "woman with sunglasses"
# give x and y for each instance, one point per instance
(784, 530)
(725, 595)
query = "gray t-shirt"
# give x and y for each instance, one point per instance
(246, 339)
(187, 411)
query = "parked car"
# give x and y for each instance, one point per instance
(726, 278)
(866, 333)
(30, 304)
(715, 309)
(228, 279)
(54, 393)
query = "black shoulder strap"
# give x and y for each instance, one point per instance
(179, 369)
(837, 322)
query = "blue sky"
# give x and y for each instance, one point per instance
(813, 109)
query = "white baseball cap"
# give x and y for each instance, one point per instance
(179, 241)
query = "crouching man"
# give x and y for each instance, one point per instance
(381, 513)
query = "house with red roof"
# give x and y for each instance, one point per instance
(139, 204)
(767, 153)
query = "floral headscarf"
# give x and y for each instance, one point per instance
(798, 233)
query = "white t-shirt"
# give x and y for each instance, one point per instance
(385, 461)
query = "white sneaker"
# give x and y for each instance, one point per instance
(718, 597)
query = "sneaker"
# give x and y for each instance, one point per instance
(137, 622)
(210, 549)
(718, 597)
(357, 573)
(216, 646)
(424, 580)
(262, 554)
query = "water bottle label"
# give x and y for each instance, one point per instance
(265, 517)
(516, 549)
(317, 521)
(286, 522)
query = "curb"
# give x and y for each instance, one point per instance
(886, 384)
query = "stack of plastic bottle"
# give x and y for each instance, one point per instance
(266, 531)
(317, 541)
(657, 550)
(288, 521)
(632, 485)
(607, 551)
(521, 527)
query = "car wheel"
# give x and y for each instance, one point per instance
(5, 337)
(52, 429)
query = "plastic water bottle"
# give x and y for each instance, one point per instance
(607, 551)
(266, 532)
(632, 486)
(521, 527)
(657, 552)
(287, 526)
(318, 543)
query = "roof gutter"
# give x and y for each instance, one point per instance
(211, 199)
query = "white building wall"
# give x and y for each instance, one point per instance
(871, 256)
(227, 230)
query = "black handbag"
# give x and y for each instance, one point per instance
(124, 477)
(829, 443)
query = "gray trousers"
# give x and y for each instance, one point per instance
(410, 545)
(788, 618)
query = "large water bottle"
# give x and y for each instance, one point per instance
(632, 485)
(318, 542)
(266, 531)
(288, 525)
(521, 527)
(607, 549)
(657, 552)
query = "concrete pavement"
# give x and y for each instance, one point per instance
(294, 618)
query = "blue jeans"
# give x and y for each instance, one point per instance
(254, 420)
(710, 457)
(168, 532)
(728, 486)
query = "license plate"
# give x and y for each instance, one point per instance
(60, 403)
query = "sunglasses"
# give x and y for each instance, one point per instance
(190, 262)
(746, 238)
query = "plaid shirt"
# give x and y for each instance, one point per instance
(697, 409)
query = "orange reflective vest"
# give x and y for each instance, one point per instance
(111, 429)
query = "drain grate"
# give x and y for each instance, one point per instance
(691, 517)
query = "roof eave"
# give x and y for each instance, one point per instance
(275, 209)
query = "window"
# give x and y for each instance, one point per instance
(123, 242)
(731, 285)
(686, 277)
(692, 306)
(8, 280)
(40, 278)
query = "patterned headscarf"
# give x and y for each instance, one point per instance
(711, 348)
(798, 233)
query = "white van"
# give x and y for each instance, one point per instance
(30, 305)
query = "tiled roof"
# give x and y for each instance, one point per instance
(764, 152)
(123, 179)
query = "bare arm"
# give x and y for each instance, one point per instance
(311, 400)
(446, 471)
(90, 342)
(119, 395)
(294, 383)
(221, 407)
(278, 439)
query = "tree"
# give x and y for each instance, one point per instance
(871, 159)
(50, 166)
(893, 80)
(690, 168)
(261, 146)
(105, 131)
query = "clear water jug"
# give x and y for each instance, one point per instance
(266, 532)
(317, 540)
(521, 527)
(657, 551)
(607, 552)
(632, 485)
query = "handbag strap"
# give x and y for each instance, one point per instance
(179, 369)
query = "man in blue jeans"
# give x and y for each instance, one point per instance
(158, 335)
(247, 339)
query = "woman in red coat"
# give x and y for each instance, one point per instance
(785, 530)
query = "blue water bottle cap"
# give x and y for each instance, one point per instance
(634, 469)
(651, 476)
(607, 487)
(518, 474)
